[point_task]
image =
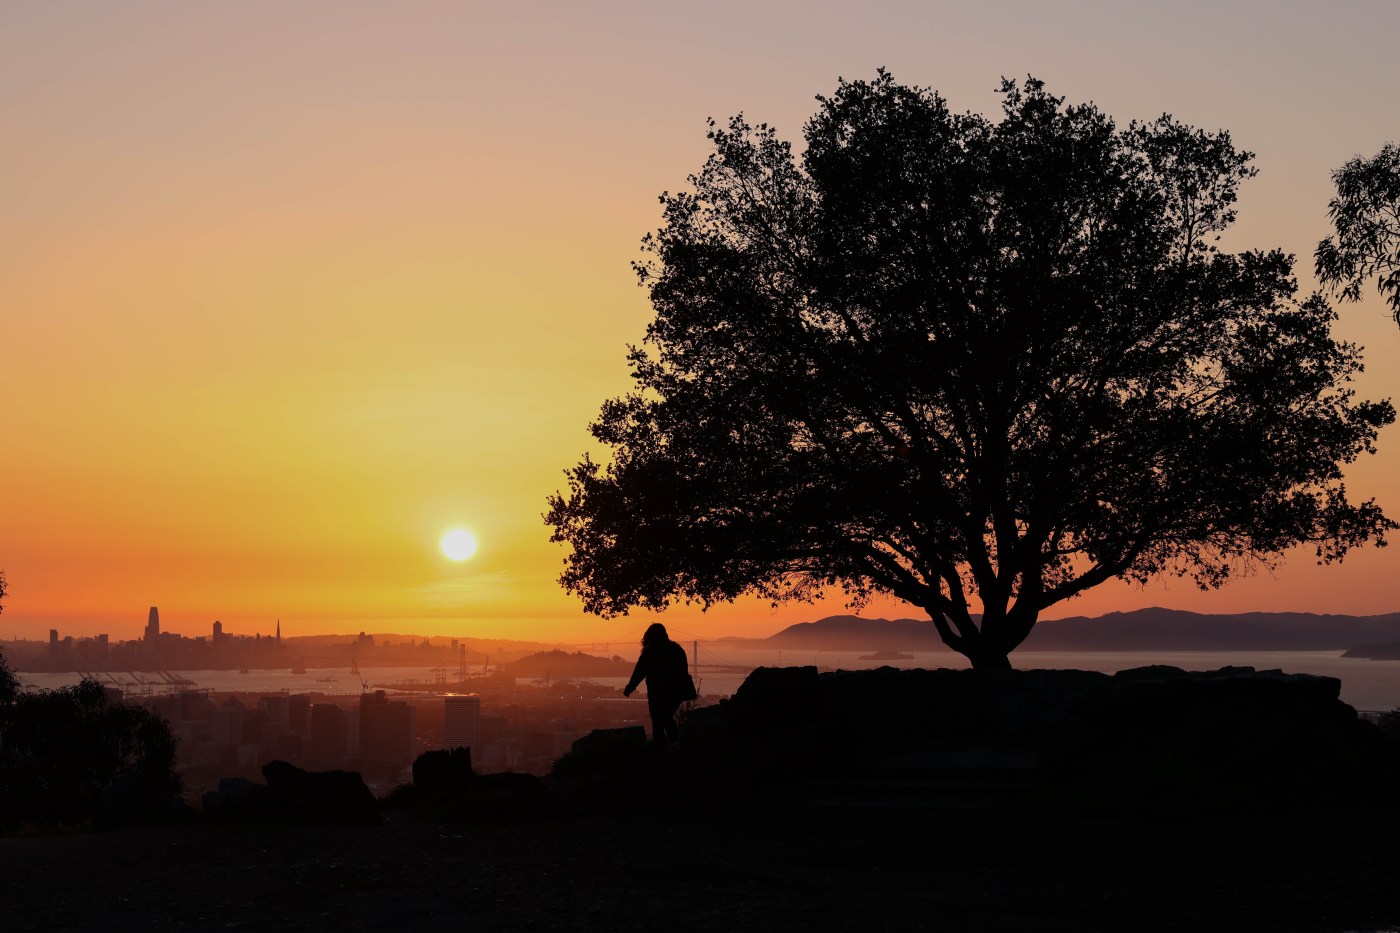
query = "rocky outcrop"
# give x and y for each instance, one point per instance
(603, 761)
(443, 771)
(1218, 740)
(1155, 738)
(337, 797)
(446, 789)
(237, 797)
(888, 705)
(294, 795)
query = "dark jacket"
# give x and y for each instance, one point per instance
(665, 668)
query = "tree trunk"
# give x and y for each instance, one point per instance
(996, 636)
(989, 660)
(985, 651)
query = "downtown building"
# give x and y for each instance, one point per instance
(461, 723)
(386, 728)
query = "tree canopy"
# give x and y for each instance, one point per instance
(963, 361)
(1366, 217)
(9, 683)
(61, 750)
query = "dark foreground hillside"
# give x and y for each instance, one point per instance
(884, 800)
(689, 869)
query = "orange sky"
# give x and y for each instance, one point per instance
(286, 290)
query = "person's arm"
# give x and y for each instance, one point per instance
(638, 674)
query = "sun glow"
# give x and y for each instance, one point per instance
(458, 544)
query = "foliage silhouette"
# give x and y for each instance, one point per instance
(1389, 723)
(60, 750)
(9, 683)
(1366, 216)
(948, 359)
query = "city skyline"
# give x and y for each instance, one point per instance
(290, 293)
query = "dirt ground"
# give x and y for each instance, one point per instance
(673, 868)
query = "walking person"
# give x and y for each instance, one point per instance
(665, 668)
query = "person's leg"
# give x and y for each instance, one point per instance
(662, 727)
(672, 729)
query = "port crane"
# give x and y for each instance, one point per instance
(355, 669)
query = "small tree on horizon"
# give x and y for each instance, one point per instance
(9, 683)
(950, 359)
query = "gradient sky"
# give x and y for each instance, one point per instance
(288, 289)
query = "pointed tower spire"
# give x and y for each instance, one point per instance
(279, 632)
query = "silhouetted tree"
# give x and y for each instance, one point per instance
(1389, 723)
(942, 357)
(1366, 216)
(61, 749)
(9, 683)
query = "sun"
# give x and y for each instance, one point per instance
(458, 544)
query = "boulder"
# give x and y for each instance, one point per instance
(603, 757)
(773, 698)
(626, 737)
(237, 796)
(331, 797)
(506, 795)
(443, 771)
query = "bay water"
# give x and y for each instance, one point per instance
(1367, 685)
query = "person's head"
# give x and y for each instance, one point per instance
(655, 635)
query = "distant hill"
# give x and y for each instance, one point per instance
(1389, 651)
(852, 633)
(1141, 630)
(560, 664)
(1177, 630)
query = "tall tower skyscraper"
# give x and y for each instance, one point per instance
(153, 625)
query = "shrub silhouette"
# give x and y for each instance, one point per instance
(61, 750)
(1389, 723)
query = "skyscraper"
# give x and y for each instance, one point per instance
(277, 707)
(327, 745)
(153, 625)
(462, 722)
(386, 728)
(227, 727)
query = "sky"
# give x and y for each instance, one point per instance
(287, 290)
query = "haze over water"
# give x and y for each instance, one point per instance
(1366, 685)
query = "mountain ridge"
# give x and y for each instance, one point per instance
(1150, 629)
